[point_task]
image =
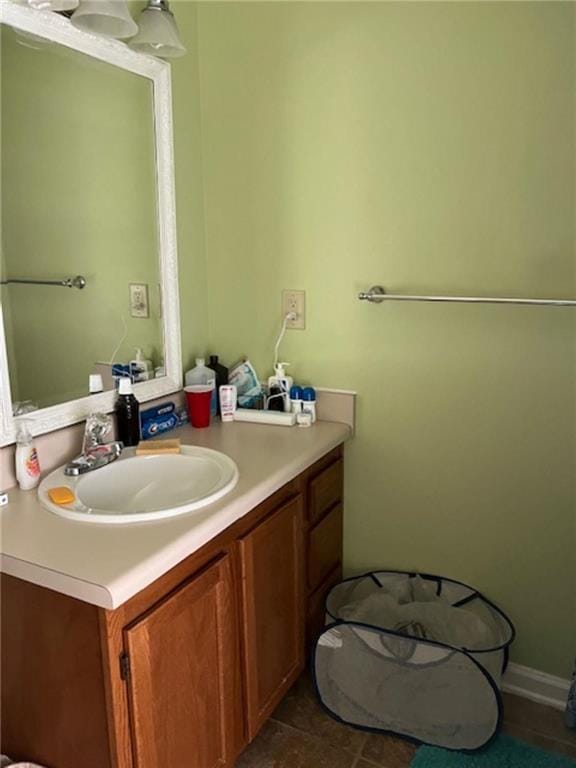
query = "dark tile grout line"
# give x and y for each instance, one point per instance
(359, 753)
(361, 747)
(360, 757)
(356, 755)
(310, 735)
(368, 762)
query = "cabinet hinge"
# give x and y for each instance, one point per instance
(124, 666)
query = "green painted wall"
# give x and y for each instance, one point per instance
(429, 147)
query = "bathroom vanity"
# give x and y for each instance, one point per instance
(163, 643)
(157, 659)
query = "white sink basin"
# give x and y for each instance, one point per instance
(134, 489)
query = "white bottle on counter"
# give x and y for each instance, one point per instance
(27, 464)
(228, 401)
(95, 384)
(201, 374)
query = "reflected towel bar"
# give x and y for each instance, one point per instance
(68, 282)
(377, 294)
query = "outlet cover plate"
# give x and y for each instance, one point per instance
(294, 301)
(139, 304)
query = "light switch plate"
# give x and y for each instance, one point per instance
(295, 302)
(139, 306)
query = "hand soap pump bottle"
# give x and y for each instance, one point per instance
(127, 410)
(283, 383)
(141, 369)
(27, 464)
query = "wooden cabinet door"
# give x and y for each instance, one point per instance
(183, 675)
(272, 568)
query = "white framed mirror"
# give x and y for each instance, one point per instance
(87, 190)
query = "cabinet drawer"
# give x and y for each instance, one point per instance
(324, 547)
(325, 490)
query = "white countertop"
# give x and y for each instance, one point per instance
(107, 564)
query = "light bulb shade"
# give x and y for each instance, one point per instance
(105, 17)
(158, 34)
(54, 5)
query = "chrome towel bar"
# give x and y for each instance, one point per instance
(68, 282)
(377, 294)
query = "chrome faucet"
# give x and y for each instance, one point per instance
(96, 452)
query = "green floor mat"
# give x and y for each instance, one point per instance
(503, 752)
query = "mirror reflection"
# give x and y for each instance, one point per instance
(78, 199)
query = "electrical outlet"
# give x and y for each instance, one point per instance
(295, 302)
(139, 306)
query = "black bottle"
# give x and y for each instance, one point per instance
(275, 399)
(127, 410)
(221, 375)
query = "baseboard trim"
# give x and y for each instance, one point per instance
(536, 686)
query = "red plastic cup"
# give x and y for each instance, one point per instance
(198, 398)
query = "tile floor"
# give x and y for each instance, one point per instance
(301, 735)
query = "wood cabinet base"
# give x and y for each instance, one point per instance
(187, 671)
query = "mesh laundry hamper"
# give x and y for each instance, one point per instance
(418, 656)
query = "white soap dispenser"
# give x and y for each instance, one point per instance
(141, 369)
(283, 382)
(27, 464)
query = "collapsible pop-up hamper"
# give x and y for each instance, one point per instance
(418, 656)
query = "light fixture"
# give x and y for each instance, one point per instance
(105, 17)
(54, 5)
(158, 33)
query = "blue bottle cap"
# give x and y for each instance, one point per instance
(309, 394)
(295, 393)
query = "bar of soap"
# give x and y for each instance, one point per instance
(61, 495)
(158, 447)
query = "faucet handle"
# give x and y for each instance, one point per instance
(95, 458)
(98, 429)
